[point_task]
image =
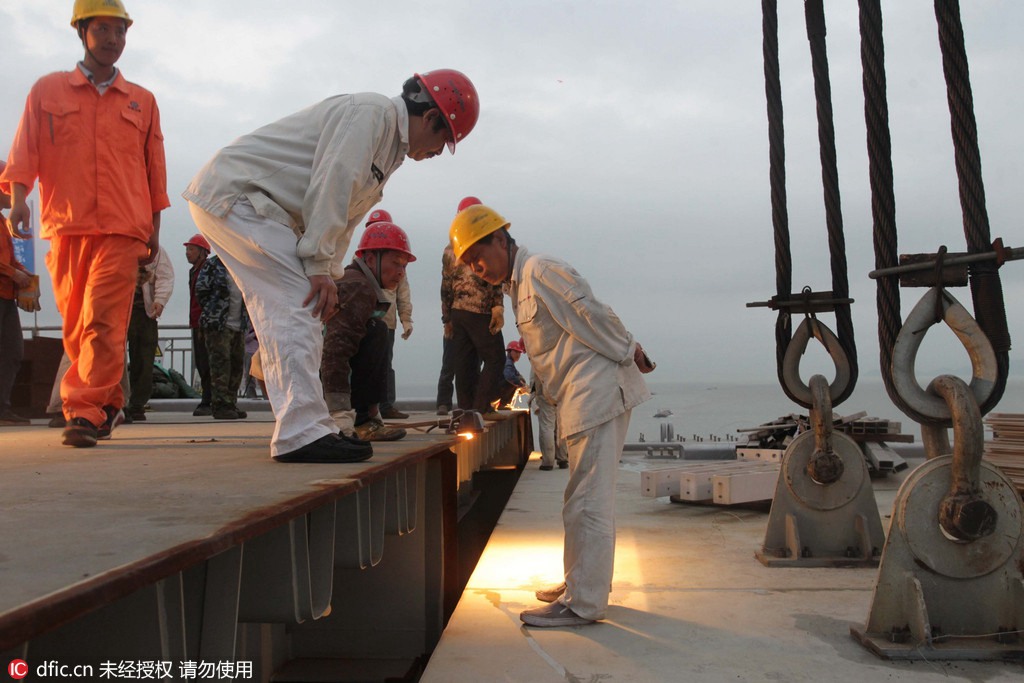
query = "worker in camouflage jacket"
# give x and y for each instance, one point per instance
(354, 366)
(224, 322)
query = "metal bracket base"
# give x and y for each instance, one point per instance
(938, 598)
(819, 525)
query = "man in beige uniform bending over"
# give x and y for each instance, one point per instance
(590, 366)
(279, 206)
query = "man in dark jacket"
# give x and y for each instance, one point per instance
(354, 366)
(196, 251)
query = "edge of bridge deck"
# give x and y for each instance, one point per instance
(85, 527)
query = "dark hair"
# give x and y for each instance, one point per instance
(417, 101)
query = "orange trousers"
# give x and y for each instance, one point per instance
(94, 284)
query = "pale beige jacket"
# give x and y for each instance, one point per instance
(318, 171)
(577, 346)
(401, 305)
(159, 285)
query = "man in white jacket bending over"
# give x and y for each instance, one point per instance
(590, 366)
(279, 206)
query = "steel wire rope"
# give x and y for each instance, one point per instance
(815, 18)
(777, 177)
(830, 179)
(988, 293)
(986, 287)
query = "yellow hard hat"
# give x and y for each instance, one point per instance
(86, 9)
(471, 225)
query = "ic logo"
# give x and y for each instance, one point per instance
(18, 669)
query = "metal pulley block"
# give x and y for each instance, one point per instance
(950, 584)
(824, 512)
(812, 524)
(938, 597)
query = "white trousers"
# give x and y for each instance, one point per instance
(260, 255)
(551, 447)
(588, 514)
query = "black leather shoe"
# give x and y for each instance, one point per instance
(546, 468)
(329, 448)
(229, 414)
(79, 433)
(392, 413)
(354, 440)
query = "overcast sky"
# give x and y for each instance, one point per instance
(629, 139)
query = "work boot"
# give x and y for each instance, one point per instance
(551, 593)
(443, 409)
(555, 614)
(546, 468)
(229, 414)
(202, 410)
(79, 433)
(57, 421)
(329, 448)
(563, 464)
(392, 413)
(137, 414)
(375, 430)
(8, 418)
(115, 417)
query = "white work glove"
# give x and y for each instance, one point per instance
(497, 319)
(406, 331)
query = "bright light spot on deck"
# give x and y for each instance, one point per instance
(532, 560)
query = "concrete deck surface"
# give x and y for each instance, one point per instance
(689, 603)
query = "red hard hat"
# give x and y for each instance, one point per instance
(197, 240)
(378, 215)
(468, 201)
(455, 95)
(384, 235)
(516, 345)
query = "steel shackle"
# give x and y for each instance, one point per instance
(964, 514)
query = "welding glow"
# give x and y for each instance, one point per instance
(531, 561)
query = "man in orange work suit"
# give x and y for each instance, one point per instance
(93, 141)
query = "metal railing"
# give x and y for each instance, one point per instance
(174, 346)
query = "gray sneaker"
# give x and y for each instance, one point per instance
(551, 593)
(555, 614)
